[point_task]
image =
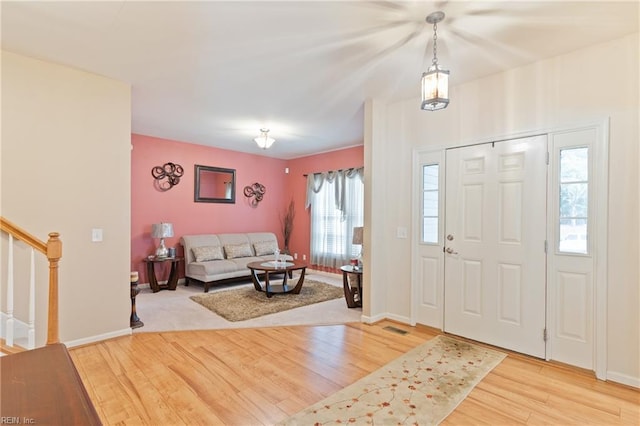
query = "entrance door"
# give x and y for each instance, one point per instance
(495, 231)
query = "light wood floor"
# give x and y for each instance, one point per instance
(263, 375)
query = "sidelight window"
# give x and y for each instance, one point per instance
(574, 200)
(430, 216)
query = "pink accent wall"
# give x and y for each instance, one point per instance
(151, 205)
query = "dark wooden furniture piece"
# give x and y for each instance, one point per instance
(353, 295)
(172, 282)
(42, 387)
(270, 267)
(134, 321)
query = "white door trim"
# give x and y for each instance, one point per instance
(438, 152)
(600, 229)
(601, 269)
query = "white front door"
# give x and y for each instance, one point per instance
(495, 231)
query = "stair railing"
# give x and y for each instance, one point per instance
(53, 250)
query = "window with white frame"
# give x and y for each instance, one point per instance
(430, 194)
(337, 206)
(574, 200)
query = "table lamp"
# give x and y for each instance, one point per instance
(358, 240)
(162, 231)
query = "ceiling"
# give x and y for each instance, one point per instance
(214, 73)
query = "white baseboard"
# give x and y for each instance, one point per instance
(98, 338)
(21, 331)
(370, 320)
(399, 318)
(379, 317)
(623, 379)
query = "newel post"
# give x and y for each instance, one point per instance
(54, 253)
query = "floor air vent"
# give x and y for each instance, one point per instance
(395, 330)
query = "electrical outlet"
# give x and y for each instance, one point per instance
(295, 256)
(401, 232)
(96, 235)
(304, 257)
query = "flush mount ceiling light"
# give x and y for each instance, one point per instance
(264, 141)
(435, 81)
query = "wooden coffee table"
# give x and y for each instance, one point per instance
(269, 267)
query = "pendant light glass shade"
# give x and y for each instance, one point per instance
(435, 89)
(264, 141)
(435, 81)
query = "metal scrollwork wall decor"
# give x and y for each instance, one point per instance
(255, 193)
(167, 176)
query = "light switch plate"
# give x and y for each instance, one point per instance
(96, 235)
(401, 232)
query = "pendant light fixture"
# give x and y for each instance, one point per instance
(264, 141)
(435, 81)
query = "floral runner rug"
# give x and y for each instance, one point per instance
(422, 387)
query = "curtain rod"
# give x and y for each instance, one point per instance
(339, 170)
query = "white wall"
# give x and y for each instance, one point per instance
(581, 87)
(373, 308)
(65, 167)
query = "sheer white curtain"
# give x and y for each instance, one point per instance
(337, 206)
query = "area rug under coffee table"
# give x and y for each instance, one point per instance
(422, 387)
(246, 303)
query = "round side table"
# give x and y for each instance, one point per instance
(172, 281)
(350, 292)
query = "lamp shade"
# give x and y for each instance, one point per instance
(357, 235)
(162, 230)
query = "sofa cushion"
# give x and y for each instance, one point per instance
(242, 262)
(229, 239)
(265, 247)
(202, 254)
(237, 250)
(200, 240)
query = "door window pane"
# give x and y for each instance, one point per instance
(574, 200)
(430, 230)
(574, 165)
(573, 235)
(430, 177)
(430, 203)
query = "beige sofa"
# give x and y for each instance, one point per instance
(218, 258)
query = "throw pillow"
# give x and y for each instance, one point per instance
(238, 250)
(202, 254)
(264, 248)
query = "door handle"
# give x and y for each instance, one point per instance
(450, 250)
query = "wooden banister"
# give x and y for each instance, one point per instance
(53, 250)
(54, 253)
(22, 235)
